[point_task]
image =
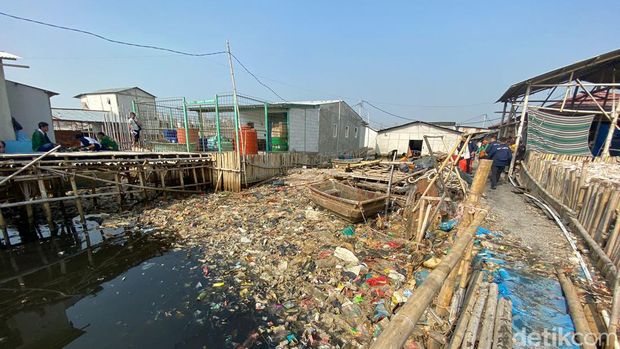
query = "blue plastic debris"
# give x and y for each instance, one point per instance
(380, 311)
(538, 307)
(483, 231)
(448, 225)
(487, 256)
(421, 275)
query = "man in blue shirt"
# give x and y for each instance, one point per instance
(501, 155)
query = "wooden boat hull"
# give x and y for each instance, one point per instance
(352, 204)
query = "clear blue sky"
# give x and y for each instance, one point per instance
(412, 58)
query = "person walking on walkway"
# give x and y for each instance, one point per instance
(500, 154)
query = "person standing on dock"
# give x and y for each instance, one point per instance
(501, 155)
(135, 126)
(40, 140)
(107, 143)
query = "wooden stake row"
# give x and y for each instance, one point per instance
(591, 189)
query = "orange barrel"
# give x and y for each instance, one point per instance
(193, 135)
(249, 140)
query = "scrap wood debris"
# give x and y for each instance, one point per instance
(314, 280)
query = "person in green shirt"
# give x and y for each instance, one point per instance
(40, 140)
(107, 143)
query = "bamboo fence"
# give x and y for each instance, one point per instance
(587, 191)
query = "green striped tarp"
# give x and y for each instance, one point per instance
(558, 134)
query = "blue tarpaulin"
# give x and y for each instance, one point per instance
(540, 315)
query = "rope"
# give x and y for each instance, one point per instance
(451, 181)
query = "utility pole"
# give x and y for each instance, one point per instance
(484, 121)
(236, 113)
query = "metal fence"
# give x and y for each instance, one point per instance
(177, 124)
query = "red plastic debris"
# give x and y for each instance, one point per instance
(377, 281)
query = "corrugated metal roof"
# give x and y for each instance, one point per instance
(82, 115)
(420, 122)
(6, 55)
(597, 69)
(49, 93)
(112, 90)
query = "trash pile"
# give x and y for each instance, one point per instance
(311, 279)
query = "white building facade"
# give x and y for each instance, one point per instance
(117, 101)
(411, 136)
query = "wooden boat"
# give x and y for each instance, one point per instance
(350, 203)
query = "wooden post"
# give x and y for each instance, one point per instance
(612, 328)
(47, 208)
(520, 130)
(486, 333)
(80, 208)
(614, 120)
(5, 232)
(480, 179)
(142, 182)
(469, 340)
(576, 312)
(501, 124)
(502, 334)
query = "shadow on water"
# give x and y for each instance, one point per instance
(131, 289)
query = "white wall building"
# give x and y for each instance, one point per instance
(118, 101)
(30, 105)
(370, 139)
(411, 136)
(326, 127)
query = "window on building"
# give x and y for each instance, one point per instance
(346, 132)
(355, 132)
(335, 130)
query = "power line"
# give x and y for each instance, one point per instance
(141, 46)
(256, 78)
(433, 106)
(112, 40)
(387, 112)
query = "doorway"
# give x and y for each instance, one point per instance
(415, 147)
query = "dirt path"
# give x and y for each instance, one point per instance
(540, 240)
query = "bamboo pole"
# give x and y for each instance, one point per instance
(442, 166)
(5, 232)
(471, 299)
(80, 208)
(445, 295)
(404, 322)
(469, 339)
(486, 333)
(47, 208)
(502, 333)
(583, 333)
(612, 328)
(6, 179)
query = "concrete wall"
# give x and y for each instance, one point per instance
(399, 139)
(370, 139)
(304, 129)
(339, 116)
(119, 104)
(6, 126)
(29, 106)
